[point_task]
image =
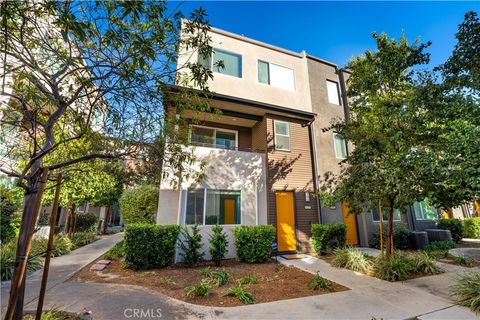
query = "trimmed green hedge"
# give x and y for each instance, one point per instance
(254, 243)
(401, 237)
(86, 222)
(328, 236)
(454, 225)
(472, 228)
(149, 246)
(139, 205)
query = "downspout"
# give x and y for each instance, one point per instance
(313, 154)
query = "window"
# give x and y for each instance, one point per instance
(212, 137)
(282, 135)
(333, 92)
(276, 75)
(223, 62)
(221, 207)
(425, 211)
(340, 146)
(376, 214)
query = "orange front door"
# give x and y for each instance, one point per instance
(285, 221)
(350, 221)
(229, 205)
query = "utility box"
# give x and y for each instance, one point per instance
(420, 239)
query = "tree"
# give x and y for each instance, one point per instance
(85, 70)
(139, 204)
(386, 130)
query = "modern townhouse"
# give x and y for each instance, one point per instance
(265, 153)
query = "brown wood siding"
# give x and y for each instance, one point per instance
(293, 171)
(259, 135)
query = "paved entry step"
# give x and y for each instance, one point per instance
(293, 256)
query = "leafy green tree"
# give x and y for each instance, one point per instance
(92, 70)
(139, 204)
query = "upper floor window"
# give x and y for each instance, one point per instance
(333, 92)
(425, 211)
(340, 146)
(223, 62)
(282, 135)
(213, 137)
(276, 75)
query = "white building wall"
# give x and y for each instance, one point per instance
(224, 169)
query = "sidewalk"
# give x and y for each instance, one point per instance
(62, 268)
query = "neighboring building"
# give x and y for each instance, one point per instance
(265, 153)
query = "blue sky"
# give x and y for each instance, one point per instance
(336, 31)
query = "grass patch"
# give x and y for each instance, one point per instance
(248, 279)
(242, 295)
(200, 290)
(466, 290)
(352, 259)
(318, 282)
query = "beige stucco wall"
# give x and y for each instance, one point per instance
(228, 170)
(248, 86)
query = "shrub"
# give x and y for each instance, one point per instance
(139, 205)
(61, 245)
(393, 268)
(472, 228)
(328, 236)
(466, 290)
(205, 272)
(454, 225)
(7, 258)
(420, 262)
(319, 282)
(86, 222)
(464, 261)
(248, 279)
(218, 245)
(242, 295)
(81, 239)
(7, 215)
(401, 237)
(116, 252)
(351, 258)
(148, 246)
(440, 245)
(221, 277)
(254, 243)
(191, 245)
(200, 290)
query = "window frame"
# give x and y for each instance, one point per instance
(270, 78)
(378, 221)
(214, 136)
(339, 96)
(204, 216)
(228, 52)
(423, 215)
(335, 148)
(283, 135)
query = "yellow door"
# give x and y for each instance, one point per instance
(285, 222)
(476, 203)
(350, 221)
(229, 205)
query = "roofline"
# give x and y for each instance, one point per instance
(309, 56)
(305, 115)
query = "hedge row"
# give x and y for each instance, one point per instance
(149, 246)
(326, 237)
(468, 228)
(472, 228)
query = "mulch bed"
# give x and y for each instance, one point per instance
(275, 281)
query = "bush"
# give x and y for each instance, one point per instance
(441, 245)
(328, 236)
(7, 258)
(139, 205)
(319, 282)
(200, 290)
(254, 243)
(7, 216)
(81, 239)
(149, 246)
(454, 225)
(351, 258)
(86, 222)
(191, 245)
(472, 228)
(239, 292)
(464, 261)
(116, 252)
(401, 237)
(420, 262)
(218, 245)
(393, 268)
(248, 279)
(61, 245)
(221, 277)
(466, 290)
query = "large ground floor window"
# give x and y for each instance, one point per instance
(376, 214)
(425, 211)
(210, 207)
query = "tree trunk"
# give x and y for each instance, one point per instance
(32, 204)
(105, 221)
(389, 250)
